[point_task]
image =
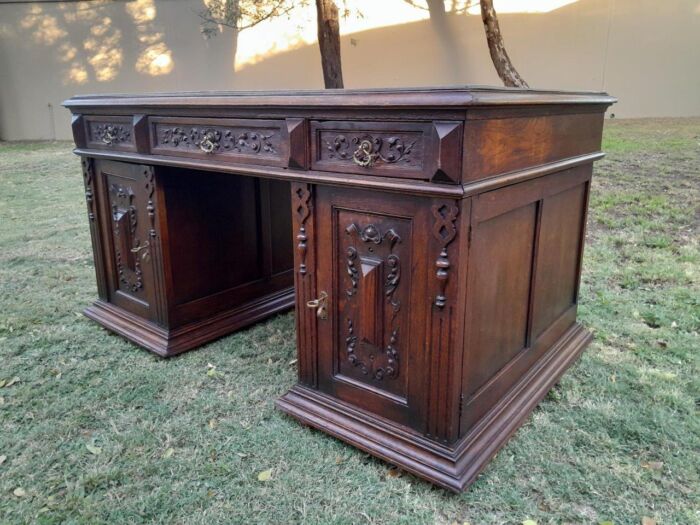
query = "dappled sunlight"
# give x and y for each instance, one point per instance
(523, 6)
(76, 74)
(141, 11)
(283, 34)
(45, 28)
(98, 53)
(105, 54)
(155, 58)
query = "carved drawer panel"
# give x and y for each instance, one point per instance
(248, 141)
(109, 132)
(416, 150)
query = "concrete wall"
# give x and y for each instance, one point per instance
(645, 52)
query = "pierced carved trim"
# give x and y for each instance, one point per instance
(88, 179)
(149, 184)
(302, 208)
(444, 230)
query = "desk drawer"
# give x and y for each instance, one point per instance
(414, 150)
(247, 141)
(109, 132)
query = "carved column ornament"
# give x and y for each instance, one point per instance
(444, 230)
(302, 208)
(88, 179)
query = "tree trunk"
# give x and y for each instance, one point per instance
(329, 43)
(449, 46)
(500, 58)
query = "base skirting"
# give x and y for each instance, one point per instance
(453, 467)
(167, 343)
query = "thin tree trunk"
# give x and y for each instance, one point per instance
(501, 60)
(449, 47)
(329, 43)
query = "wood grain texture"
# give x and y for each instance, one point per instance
(434, 239)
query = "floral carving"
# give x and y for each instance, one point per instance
(352, 271)
(371, 233)
(392, 281)
(125, 220)
(389, 370)
(110, 134)
(365, 149)
(219, 139)
(369, 358)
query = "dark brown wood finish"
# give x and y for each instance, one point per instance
(434, 237)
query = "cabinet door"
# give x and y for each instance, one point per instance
(371, 265)
(130, 232)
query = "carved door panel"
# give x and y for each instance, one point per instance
(370, 266)
(128, 209)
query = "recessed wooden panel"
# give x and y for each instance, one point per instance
(558, 256)
(415, 150)
(282, 252)
(248, 141)
(502, 145)
(502, 251)
(217, 246)
(109, 132)
(124, 193)
(373, 264)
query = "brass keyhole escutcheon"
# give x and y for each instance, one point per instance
(320, 305)
(363, 155)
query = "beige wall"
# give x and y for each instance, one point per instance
(645, 52)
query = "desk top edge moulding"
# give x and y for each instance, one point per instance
(430, 240)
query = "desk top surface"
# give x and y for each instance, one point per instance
(425, 97)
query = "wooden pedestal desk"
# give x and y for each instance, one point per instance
(431, 240)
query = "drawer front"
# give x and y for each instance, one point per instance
(109, 132)
(414, 150)
(248, 141)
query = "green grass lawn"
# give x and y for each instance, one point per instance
(96, 430)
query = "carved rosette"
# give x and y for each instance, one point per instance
(375, 362)
(301, 207)
(213, 139)
(444, 230)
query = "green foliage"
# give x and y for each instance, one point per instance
(95, 430)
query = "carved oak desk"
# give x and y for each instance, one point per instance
(430, 238)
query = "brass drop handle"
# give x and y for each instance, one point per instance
(208, 143)
(137, 249)
(321, 305)
(140, 247)
(363, 155)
